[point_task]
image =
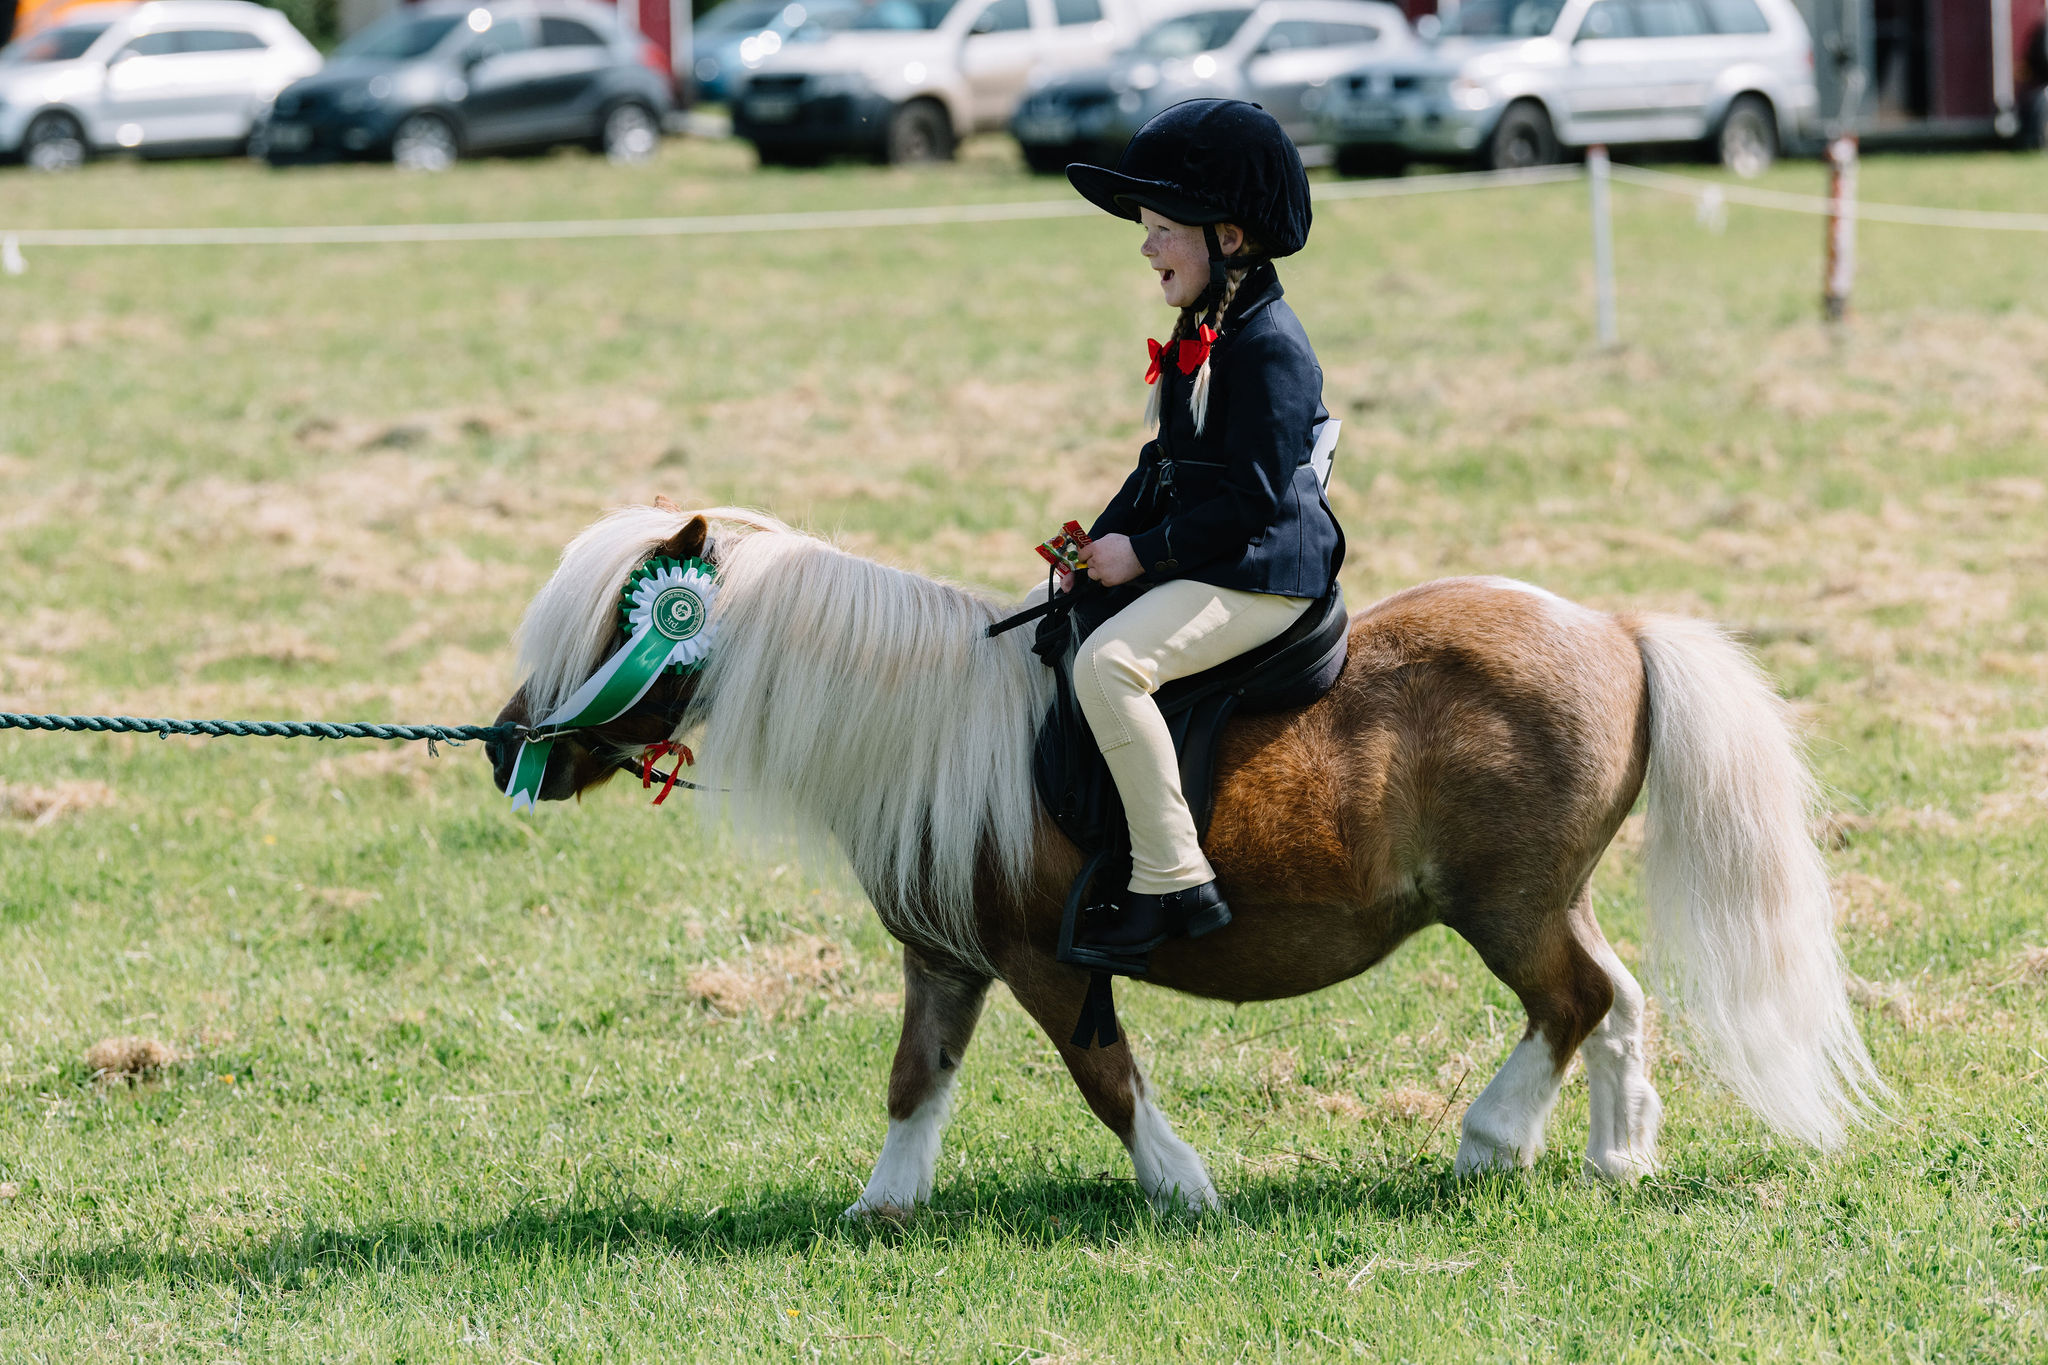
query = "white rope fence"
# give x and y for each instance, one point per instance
(1711, 197)
(13, 240)
(1909, 214)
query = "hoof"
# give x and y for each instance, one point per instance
(1482, 1156)
(1620, 1166)
(1202, 1199)
(884, 1210)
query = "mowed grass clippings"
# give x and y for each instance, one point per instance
(386, 1073)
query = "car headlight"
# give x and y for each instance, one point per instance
(1467, 93)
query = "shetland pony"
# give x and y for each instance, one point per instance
(1472, 763)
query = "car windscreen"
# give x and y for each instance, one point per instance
(1504, 19)
(740, 16)
(1188, 34)
(400, 37)
(914, 16)
(53, 45)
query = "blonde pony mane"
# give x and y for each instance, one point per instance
(844, 702)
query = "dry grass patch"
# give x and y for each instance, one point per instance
(2029, 968)
(774, 980)
(38, 806)
(130, 1057)
(1871, 904)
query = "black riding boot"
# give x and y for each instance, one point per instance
(1120, 936)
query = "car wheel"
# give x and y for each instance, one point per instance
(919, 131)
(424, 142)
(1523, 138)
(631, 133)
(54, 142)
(1748, 142)
(1370, 159)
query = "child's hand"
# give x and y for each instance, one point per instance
(1111, 560)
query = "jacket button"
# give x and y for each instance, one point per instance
(1167, 564)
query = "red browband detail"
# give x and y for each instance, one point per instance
(1189, 353)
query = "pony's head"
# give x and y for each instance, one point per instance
(573, 626)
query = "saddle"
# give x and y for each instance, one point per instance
(1287, 672)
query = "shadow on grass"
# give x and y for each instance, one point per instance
(1036, 1214)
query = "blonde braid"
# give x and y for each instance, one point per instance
(1180, 327)
(1198, 398)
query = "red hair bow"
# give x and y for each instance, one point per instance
(1188, 354)
(1195, 349)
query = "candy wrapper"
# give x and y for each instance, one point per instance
(1063, 551)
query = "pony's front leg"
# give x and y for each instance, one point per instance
(941, 1004)
(1169, 1171)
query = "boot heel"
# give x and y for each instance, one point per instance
(1208, 920)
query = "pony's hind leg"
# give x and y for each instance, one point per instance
(1621, 1143)
(941, 1004)
(1169, 1171)
(1566, 993)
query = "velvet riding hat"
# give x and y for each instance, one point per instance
(1209, 161)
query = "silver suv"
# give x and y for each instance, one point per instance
(168, 77)
(1514, 82)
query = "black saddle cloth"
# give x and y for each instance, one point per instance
(1291, 670)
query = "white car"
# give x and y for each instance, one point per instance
(1515, 82)
(161, 78)
(910, 78)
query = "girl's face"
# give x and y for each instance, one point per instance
(1180, 253)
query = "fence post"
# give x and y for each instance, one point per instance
(1841, 270)
(1603, 248)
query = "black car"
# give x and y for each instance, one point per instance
(438, 81)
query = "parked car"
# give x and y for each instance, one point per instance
(736, 37)
(171, 77)
(909, 78)
(1281, 54)
(1515, 82)
(438, 81)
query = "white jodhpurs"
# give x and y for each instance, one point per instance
(1174, 630)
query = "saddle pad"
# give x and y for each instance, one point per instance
(1291, 670)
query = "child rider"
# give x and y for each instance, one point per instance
(1222, 530)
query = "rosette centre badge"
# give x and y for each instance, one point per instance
(673, 599)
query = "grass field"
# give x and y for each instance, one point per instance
(452, 1085)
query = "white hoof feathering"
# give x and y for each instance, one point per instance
(910, 1154)
(1621, 1141)
(1504, 1127)
(1169, 1171)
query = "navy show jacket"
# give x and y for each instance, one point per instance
(1238, 506)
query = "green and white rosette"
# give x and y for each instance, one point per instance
(666, 614)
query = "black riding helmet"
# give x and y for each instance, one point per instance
(1208, 162)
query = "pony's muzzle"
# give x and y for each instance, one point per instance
(501, 755)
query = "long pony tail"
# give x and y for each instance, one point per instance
(1741, 921)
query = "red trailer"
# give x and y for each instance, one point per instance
(1931, 70)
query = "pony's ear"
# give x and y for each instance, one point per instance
(663, 503)
(687, 543)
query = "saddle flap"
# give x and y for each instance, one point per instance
(1291, 670)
